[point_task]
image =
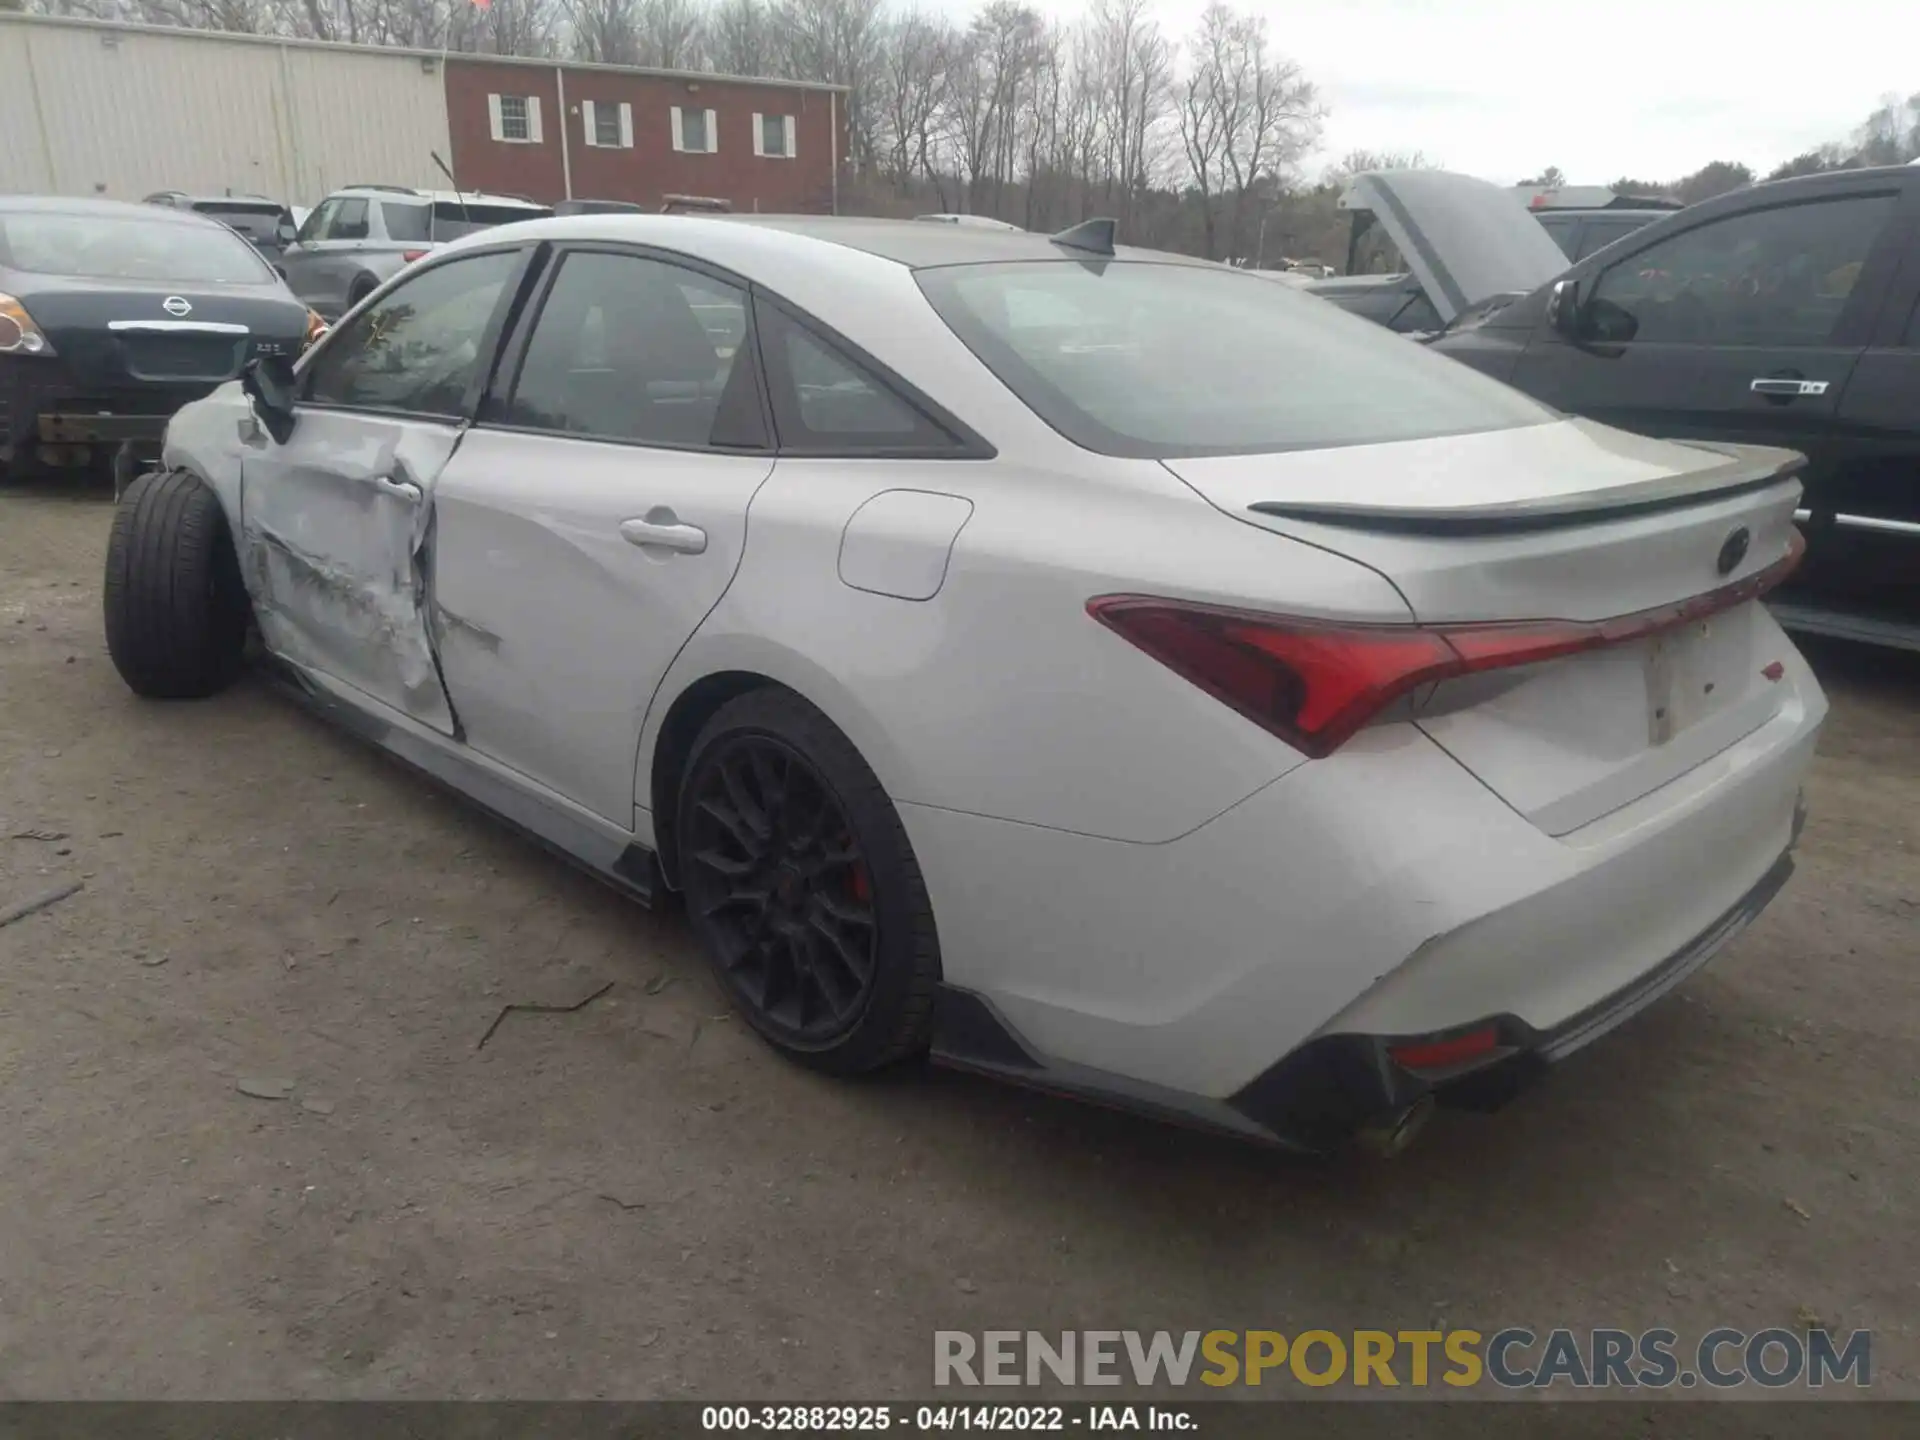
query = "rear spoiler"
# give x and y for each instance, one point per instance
(1746, 469)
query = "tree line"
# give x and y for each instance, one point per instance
(1189, 141)
(1889, 136)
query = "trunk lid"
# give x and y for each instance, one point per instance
(114, 334)
(1569, 522)
(1464, 238)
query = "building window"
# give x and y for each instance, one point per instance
(515, 119)
(773, 136)
(694, 131)
(605, 125)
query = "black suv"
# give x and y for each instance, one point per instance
(1784, 314)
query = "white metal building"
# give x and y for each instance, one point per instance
(121, 111)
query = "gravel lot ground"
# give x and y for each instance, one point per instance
(637, 1200)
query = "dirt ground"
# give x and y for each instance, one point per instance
(637, 1200)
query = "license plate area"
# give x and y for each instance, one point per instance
(182, 357)
(1697, 671)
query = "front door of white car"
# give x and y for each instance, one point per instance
(595, 514)
(336, 521)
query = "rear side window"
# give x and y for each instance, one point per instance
(1160, 361)
(827, 402)
(405, 223)
(452, 219)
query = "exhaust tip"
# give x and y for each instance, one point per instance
(1389, 1137)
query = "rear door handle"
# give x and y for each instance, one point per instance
(400, 489)
(1787, 389)
(664, 530)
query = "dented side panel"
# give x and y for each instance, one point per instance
(335, 531)
(206, 437)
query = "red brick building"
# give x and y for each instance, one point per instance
(603, 132)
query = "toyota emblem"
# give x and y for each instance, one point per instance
(176, 306)
(1733, 550)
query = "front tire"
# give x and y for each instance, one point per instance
(176, 611)
(803, 889)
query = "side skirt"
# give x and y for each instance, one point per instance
(584, 841)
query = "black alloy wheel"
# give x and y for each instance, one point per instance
(803, 888)
(772, 863)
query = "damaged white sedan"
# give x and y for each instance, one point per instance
(1098, 668)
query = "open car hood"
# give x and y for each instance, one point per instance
(1465, 239)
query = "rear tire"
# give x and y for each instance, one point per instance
(176, 611)
(803, 889)
(361, 288)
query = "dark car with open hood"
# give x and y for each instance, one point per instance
(113, 316)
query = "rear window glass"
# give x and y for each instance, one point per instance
(126, 247)
(255, 221)
(1160, 361)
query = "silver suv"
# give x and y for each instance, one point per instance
(360, 237)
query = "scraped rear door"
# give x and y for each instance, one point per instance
(336, 522)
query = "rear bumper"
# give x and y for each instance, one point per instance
(1252, 975)
(43, 402)
(1320, 1095)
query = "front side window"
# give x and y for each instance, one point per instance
(1163, 360)
(128, 247)
(349, 221)
(419, 350)
(1763, 277)
(316, 224)
(635, 349)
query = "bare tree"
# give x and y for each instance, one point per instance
(672, 33)
(911, 94)
(836, 42)
(741, 39)
(1248, 117)
(1359, 162)
(605, 31)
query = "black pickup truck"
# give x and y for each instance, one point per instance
(1787, 313)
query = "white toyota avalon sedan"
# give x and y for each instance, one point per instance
(1095, 667)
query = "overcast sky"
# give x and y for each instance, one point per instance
(1650, 89)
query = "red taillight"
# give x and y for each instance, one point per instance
(1314, 684)
(409, 256)
(1445, 1054)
